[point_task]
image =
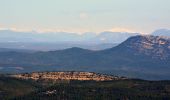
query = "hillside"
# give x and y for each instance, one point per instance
(133, 89)
(11, 87)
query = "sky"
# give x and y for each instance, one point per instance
(82, 16)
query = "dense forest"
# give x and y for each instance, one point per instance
(130, 89)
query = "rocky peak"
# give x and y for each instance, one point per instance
(155, 46)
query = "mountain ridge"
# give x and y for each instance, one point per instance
(67, 75)
(156, 46)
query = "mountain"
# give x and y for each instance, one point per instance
(101, 46)
(112, 37)
(12, 36)
(144, 56)
(139, 56)
(16, 50)
(152, 46)
(161, 32)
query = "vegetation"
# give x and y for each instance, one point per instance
(10, 87)
(132, 89)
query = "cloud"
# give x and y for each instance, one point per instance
(16, 29)
(47, 30)
(119, 29)
(84, 15)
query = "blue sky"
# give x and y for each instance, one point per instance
(85, 15)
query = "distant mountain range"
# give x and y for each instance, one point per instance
(60, 40)
(8, 36)
(139, 56)
(161, 32)
(34, 41)
(112, 37)
(53, 37)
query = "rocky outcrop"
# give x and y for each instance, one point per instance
(66, 76)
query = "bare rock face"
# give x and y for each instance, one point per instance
(66, 76)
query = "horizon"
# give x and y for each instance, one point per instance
(78, 33)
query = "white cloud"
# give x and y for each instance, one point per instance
(84, 15)
(119, 29)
